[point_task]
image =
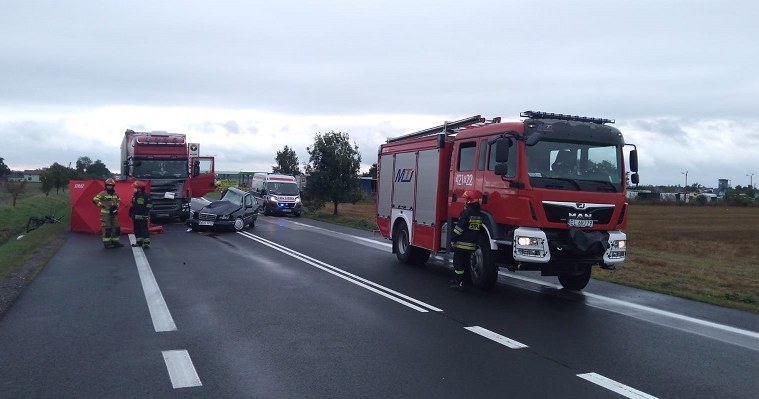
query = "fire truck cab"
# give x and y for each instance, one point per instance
(553, 190)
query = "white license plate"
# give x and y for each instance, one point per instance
(205, 223)
(287, 210)
(580, 223)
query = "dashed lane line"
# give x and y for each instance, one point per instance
(615, 386)
(181, 370)
(505, 341)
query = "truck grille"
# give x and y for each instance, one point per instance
(209, 217)
(559, 212)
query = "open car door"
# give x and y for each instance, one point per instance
(202, 176)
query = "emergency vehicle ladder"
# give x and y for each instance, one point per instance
(446, 127)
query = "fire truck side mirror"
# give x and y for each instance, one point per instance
(634, 161)
(501, 169)
(634, 178)
(502, 150)
(533, 139)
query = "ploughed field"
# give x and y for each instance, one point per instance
(705, 253)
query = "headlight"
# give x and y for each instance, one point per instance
(273, 199)
(621, 244)
(297, 200)
(528, 241)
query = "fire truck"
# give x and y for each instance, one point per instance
(553, 194)
(173, 167)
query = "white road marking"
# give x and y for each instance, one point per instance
(375, 243)
(615, 386)
(159, 312)
(181, 370)
(647, 309)
(360, 281)
(508, 342)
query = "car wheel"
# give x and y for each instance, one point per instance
(239, 224)
(252, 224)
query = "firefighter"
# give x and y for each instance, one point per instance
(140, 214)
(108, 202)
(466, 234)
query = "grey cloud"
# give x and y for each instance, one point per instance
(231, 127)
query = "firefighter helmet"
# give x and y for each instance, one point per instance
(472, 196)
(139, 184)
(110, 182)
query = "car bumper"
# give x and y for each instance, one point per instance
(284, 207)
(218, 224)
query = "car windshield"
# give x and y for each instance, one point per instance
(233, 197)
(160, 168)
(282, 188)
(575, 166)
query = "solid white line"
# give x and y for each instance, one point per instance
(644, 308)
(615, 386)
(337, 233)
(181, 370)
(360, 281)
(508, 342)
(351, 275)
(159, 312)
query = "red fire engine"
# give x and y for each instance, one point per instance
(553, 190)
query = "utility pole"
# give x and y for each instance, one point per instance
(686, 179)
(751, 182)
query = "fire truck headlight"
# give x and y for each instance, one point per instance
(620, 244)
(528, 241)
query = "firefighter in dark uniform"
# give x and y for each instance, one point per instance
(466, 234)
(108, 202)
(140, 213)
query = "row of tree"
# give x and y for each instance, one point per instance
(56, 176)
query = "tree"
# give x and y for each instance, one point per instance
(47, 180)
(372, 171)
(82, 165)
(4, 169)
(333, 169)
(60, 176)
(98, 170)
(287, 162)
(15, 188)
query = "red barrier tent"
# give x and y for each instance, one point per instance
(85, 215)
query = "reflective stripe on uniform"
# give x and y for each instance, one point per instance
(465, 245)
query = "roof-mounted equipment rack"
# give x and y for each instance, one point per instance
(550, 115)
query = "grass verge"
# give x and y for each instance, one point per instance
(36, 244)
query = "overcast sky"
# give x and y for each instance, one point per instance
(246, 78)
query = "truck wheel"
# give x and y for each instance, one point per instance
(239, 224)
(576, 282)
(482, 269)
(404, 251)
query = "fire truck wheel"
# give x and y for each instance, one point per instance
(404, 251)
(482, 269)
(576, 282)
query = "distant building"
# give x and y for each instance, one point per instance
(32, 176)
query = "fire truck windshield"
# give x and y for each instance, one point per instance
(575, 166)
(160, 168)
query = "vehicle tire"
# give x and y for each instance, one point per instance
(297, 214)
(252, 224)
(483, 271)
(576, 282)
(239, 224)
(266, 211)
(404, 251)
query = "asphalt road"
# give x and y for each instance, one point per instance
(299, 309)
